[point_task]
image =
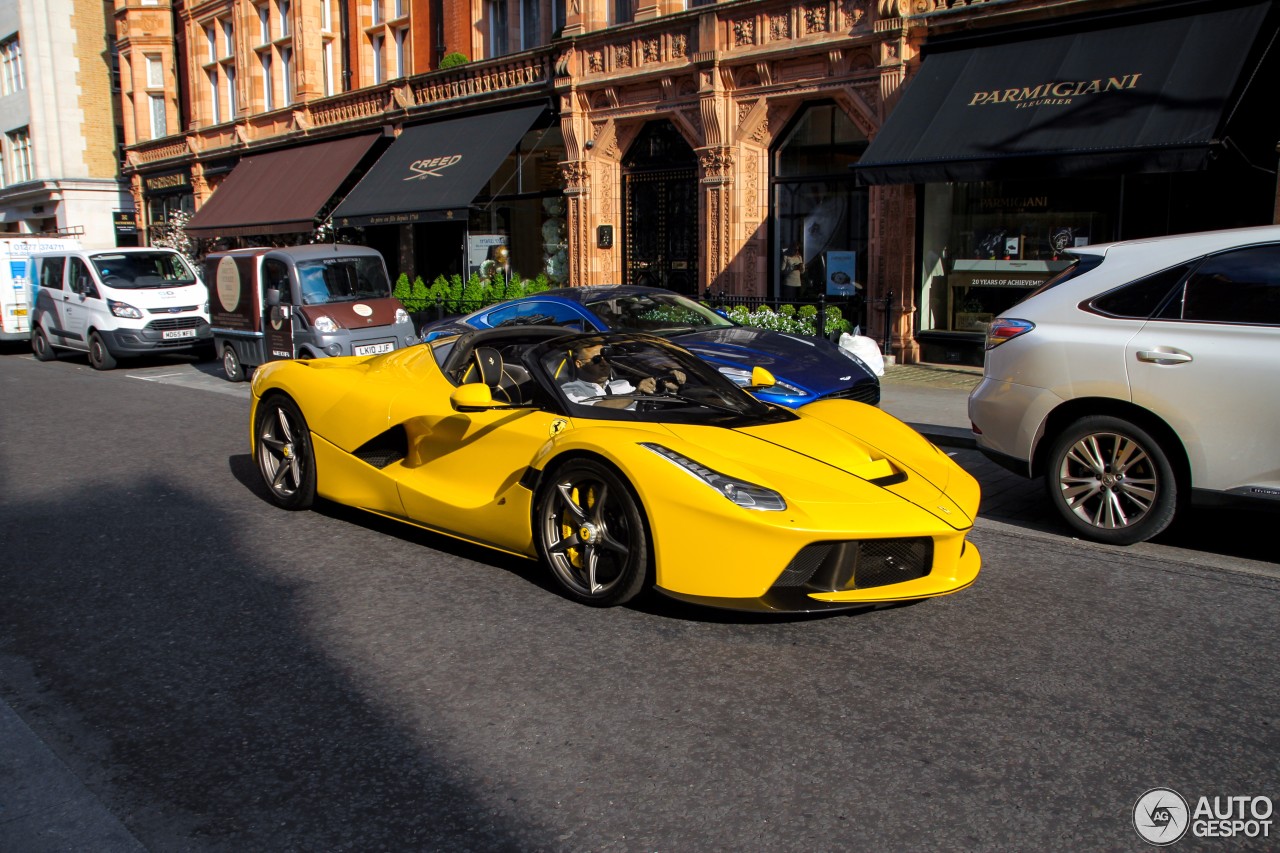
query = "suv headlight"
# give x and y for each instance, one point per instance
(744, 494)
(124, 309)
(324, 323)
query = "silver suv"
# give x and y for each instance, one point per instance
(1145, 376)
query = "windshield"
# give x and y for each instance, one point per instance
(626, 378)
(655, 313)
(331, 280)
(143, 269)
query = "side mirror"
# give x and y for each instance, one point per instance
(273, 296)
(474, 397)
(761, 378)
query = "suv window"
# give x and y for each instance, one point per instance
(1082, 264)
(1142, 298)
(1242, 286)
(51, 272)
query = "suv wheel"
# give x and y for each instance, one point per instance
(1111, 481)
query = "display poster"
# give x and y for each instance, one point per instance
(841, 268)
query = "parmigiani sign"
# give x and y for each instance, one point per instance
(1060, 92)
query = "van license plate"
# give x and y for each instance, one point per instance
(373, 349)
(177, 334)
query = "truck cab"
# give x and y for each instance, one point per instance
(302, 302)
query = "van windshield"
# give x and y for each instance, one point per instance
(342, 280)
(143, 269)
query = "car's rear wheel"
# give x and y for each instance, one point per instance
(592, 535)
(100, 358)
(40, 345)
(231, 365)
(285, 458)
(1111, 481)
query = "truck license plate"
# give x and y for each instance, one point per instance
(373, 349)
(176, 334)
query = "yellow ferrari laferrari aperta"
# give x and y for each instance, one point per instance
(621, 462)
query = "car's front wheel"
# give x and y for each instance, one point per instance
(1111, 481)
(231, 365)
(285, 458)
(100, 358)
(592, 534)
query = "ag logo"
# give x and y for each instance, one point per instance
(1160, 816)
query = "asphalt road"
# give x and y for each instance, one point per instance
(222, 675)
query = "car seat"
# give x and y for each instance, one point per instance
(503, 380)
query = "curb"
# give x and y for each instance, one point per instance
(945, 436)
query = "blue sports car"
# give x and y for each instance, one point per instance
(806, 369)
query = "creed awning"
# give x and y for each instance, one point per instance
(433, 171)
(1143, 97)
(279, 192)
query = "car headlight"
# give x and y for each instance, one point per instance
(742, 378)
(324, 323)
(124, 309)
(402, 316)
(744, 494)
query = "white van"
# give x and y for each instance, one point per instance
(15, 286)
(116, 303)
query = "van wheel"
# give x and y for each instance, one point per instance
(231, 364)
(99, 356)
(1111, 481)
(40, 345)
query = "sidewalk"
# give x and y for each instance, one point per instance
(932, 398)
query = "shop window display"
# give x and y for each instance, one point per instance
(988, 245)
(820, 226)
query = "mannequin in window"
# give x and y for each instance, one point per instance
(792, 269)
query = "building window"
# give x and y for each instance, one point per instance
(268, 97)
(215, 97)
(114, 50)
(498, 43)
(286, 74)
(264, 24)
(402, 45)
(283, 6)
(379, 72)
(326, 67)
(326, 16)
(557, 16)
(530, 24)
(229, 71)
(623, 11)
(4, 173)
(228, 38)
(377, 11)
(20, 146)
(155, 72)
(821, 216)
(211, 36)
(400, 11)
(157, 115)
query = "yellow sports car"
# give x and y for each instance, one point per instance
(622, 462)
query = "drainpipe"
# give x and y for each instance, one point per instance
(344, 24)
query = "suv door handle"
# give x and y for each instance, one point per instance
(1158, 357)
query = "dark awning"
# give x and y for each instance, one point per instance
(1146, 97)
(279, 192)
(433, 171)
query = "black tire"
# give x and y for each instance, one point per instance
(282, 446)
(1111, 481)
(40, 345)
(592, 535)
(100, 358)
(231, 365)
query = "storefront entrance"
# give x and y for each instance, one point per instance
(660, 190)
